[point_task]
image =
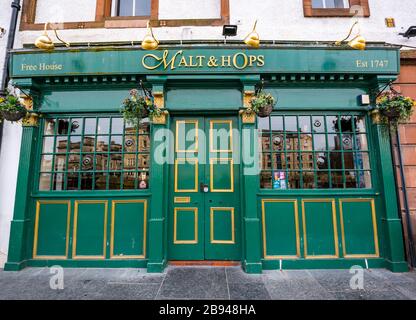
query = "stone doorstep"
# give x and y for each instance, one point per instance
(205, 263)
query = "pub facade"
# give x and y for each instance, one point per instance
(310, 186)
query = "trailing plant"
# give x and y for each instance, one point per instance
(262, 103)
(137, 107)
(11, 108)
(395, 108)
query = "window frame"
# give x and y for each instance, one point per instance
(81, 153)
(315, 113)
(309, 11)
(103, 18)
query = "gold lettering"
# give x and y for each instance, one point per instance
(183, 62)
(252, 59)
(260, 61)
(225, 61)
(163, 60)
(200, 61)
(191, 62)
(235, 61)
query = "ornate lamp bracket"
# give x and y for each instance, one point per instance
(248, 115)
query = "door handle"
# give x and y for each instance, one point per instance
(203, 187)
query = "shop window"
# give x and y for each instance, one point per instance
(314, 152)
(133, 8)
(94, 153)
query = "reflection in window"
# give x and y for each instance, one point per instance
(126, 8)
(89, 153)
(314, 152)
(330, 4)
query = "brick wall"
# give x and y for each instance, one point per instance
(407, 86)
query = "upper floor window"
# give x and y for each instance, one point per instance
(335, 8)
(330, 4)
(133, 8)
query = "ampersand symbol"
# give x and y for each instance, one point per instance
(213, 62)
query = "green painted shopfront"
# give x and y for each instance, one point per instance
(310, 186)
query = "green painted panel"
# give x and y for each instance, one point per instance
(51, 236)
(128, 228)
(186, 169)
(212, 60)
(186, 225)
(358, 227)
(280, 228)
(317, 98)
(319, 229)
(222, 174)
(214, 99)
(90, 224)
(222, 225)
(67, 101)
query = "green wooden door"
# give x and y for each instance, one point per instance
(204, 209)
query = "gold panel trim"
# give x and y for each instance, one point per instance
(195, 122)
(211, 136)
(36, 233)
(373, 215)
(216, 241)
(195, 172)
(182, 199)
(113, 207)
(211, 173)
(248, 95)
(175, 213)
(335, 231)
(296, 214)
(74, 245)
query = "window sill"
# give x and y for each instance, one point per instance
(315, 192)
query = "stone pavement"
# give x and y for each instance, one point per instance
(206, 283)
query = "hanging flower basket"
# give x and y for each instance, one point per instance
(11, 109)
(395, 108)
(262, 104)
(136, 107)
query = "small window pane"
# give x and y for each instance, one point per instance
(323, 179)
(60, 161)
(277, 141)
(46, 163)
(360, 126)
(86, 181)
(75, 144)
(117, 126)
(100, 181)
(362, 161)
(61, 144)
(277, 123)
(73, 162)
(125, 8)
(351, 179)
(304, 124)
(337, 180)
(44, 182)
(266, 179)
(318, 124)
(336, 160)
(101, 161)
(365, 180)
(306, 142)
(49, 128)
(361, 142)
(115, 181)
(90, 125)
(142, 7)
(332, 124)
(129, 179)
(72, 181)
(88, 144)
(76, 125)
(103, 126)
(319, 141)
(291, 124)
(308, 180)
(294, 180)
(63, 126)
(321, 160)
(263, 124)
(47, 145)
(58, 181)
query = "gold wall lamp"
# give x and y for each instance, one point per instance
(149, 41)
(44, 42)
(357, 43)
(253, 38)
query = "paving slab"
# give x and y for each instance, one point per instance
(194, 283)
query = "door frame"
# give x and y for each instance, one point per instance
(238, 222)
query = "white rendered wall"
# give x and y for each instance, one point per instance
(10, 150)
(189, 9)
(64, 10)
(278, 20)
